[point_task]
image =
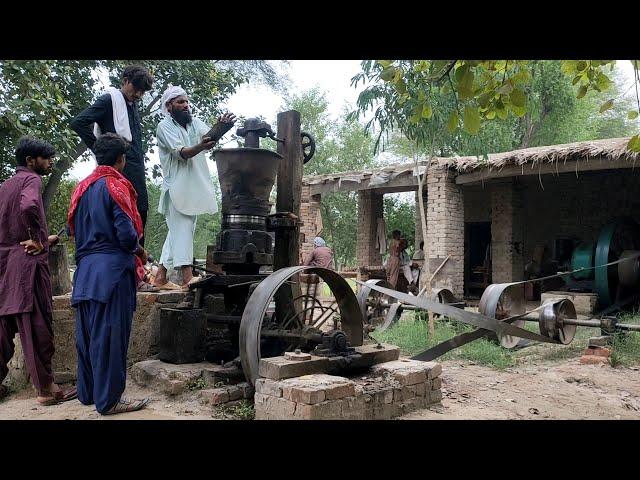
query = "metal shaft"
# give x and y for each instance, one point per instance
(591, 322)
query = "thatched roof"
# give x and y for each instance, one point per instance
(607, 149)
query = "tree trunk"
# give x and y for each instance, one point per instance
(62, 166)
(59, 267)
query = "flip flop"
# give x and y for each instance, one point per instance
(168, 286)
(125, 405)
(60, 396)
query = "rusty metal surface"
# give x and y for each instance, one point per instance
(256, 309)
(476, 319)
(504, 300)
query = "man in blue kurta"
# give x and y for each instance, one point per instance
(107, 227)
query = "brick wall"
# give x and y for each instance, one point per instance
(507, 232)
(143, 341)
(309, 208)
(445, 229)
(577, 207)
(370, 208)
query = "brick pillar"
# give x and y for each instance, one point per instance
(309, 208)
(507, 233)
(370, 208)
(445, 229)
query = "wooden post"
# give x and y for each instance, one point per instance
(289, 188)
(59, 267)
(289, 193)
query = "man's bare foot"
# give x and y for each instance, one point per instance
(54, 395)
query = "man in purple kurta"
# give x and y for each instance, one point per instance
(25, 287)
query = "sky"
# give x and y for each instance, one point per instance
(331, 76)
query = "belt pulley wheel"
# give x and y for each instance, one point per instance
(504, 300)
(614, 239)
(629, 271)
(551, 320)
(374, 306)
(265, 332)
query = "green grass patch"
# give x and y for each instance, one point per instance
(412, 336)
(626, 349)
(242, 411)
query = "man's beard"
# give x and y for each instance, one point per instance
(183, 117)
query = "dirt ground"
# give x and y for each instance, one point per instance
(562, 389)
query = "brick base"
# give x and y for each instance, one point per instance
(389, 390)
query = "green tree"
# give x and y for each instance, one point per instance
(41, 97)
(341, 145)
(437, 99)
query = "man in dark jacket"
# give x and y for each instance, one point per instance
(117, 112)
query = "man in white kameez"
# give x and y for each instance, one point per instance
(187, 188)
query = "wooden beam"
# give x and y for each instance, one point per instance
(572, 166)
(289, 187)
(402, 183)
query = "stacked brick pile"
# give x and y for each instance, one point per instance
(389, 390)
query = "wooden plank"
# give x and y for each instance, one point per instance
(592, 164)
(289, 186)
(289, 195)
(402, 183)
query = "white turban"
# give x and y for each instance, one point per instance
(319, 242)
(169, 94)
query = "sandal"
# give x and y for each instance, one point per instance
(60, 396)
(125, 405)
(167, 286)
(147, 287)
(191, 282)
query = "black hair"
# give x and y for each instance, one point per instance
(139, 77)
(396, 231)
(422, 245)
(108, 148)
(32, 147)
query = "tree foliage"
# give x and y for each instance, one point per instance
(449, 98)
(40, 97)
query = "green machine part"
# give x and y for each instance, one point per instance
(582, 257)
(620, 235)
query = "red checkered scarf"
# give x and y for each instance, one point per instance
(121, 191)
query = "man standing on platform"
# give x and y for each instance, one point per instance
(187, 188)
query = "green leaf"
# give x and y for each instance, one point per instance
(484, 99)
(502, 113)
(452, 124)
(603, 82)
(606, 105)
(634, 143)
(518, 97)
(471, 120)
(576, 79)
(461, 71)
(427, 111)
(518, 110)
(581, 65)
(632, 115)
(384, 63)
(491, 114)
(568, 66)
(582, 91)
(465, 85)
(388, 74)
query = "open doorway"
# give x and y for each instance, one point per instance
(477, 253)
